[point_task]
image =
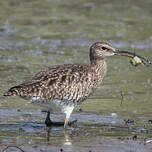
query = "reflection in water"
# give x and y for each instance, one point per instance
(36, 135)
(68, 141)
(48, 133)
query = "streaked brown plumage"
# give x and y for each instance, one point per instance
(66, 86)
(74, 82)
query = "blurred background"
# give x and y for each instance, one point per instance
(35, 34)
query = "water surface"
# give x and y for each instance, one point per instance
(37, 34)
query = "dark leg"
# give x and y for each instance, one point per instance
(49, 124)
(48, 121)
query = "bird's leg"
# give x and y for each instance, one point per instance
(66, 123)
(48, 121)
(68, 111)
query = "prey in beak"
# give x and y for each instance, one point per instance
(135, 58)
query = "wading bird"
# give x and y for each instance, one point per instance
(66, 86)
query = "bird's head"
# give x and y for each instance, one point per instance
(100, 50)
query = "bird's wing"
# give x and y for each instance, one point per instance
(56, 82)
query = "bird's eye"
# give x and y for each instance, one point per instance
(103, 48)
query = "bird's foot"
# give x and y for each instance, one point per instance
(58, 124)
(71, 123)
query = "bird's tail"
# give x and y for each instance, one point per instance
(14, 91)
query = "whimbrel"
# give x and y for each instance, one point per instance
(66, 86)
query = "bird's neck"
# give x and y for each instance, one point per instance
(100, 68)
(98, 63)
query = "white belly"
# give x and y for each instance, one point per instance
(54, 105)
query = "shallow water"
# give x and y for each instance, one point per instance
(36, 34)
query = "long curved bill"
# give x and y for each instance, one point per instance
(135, 58)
